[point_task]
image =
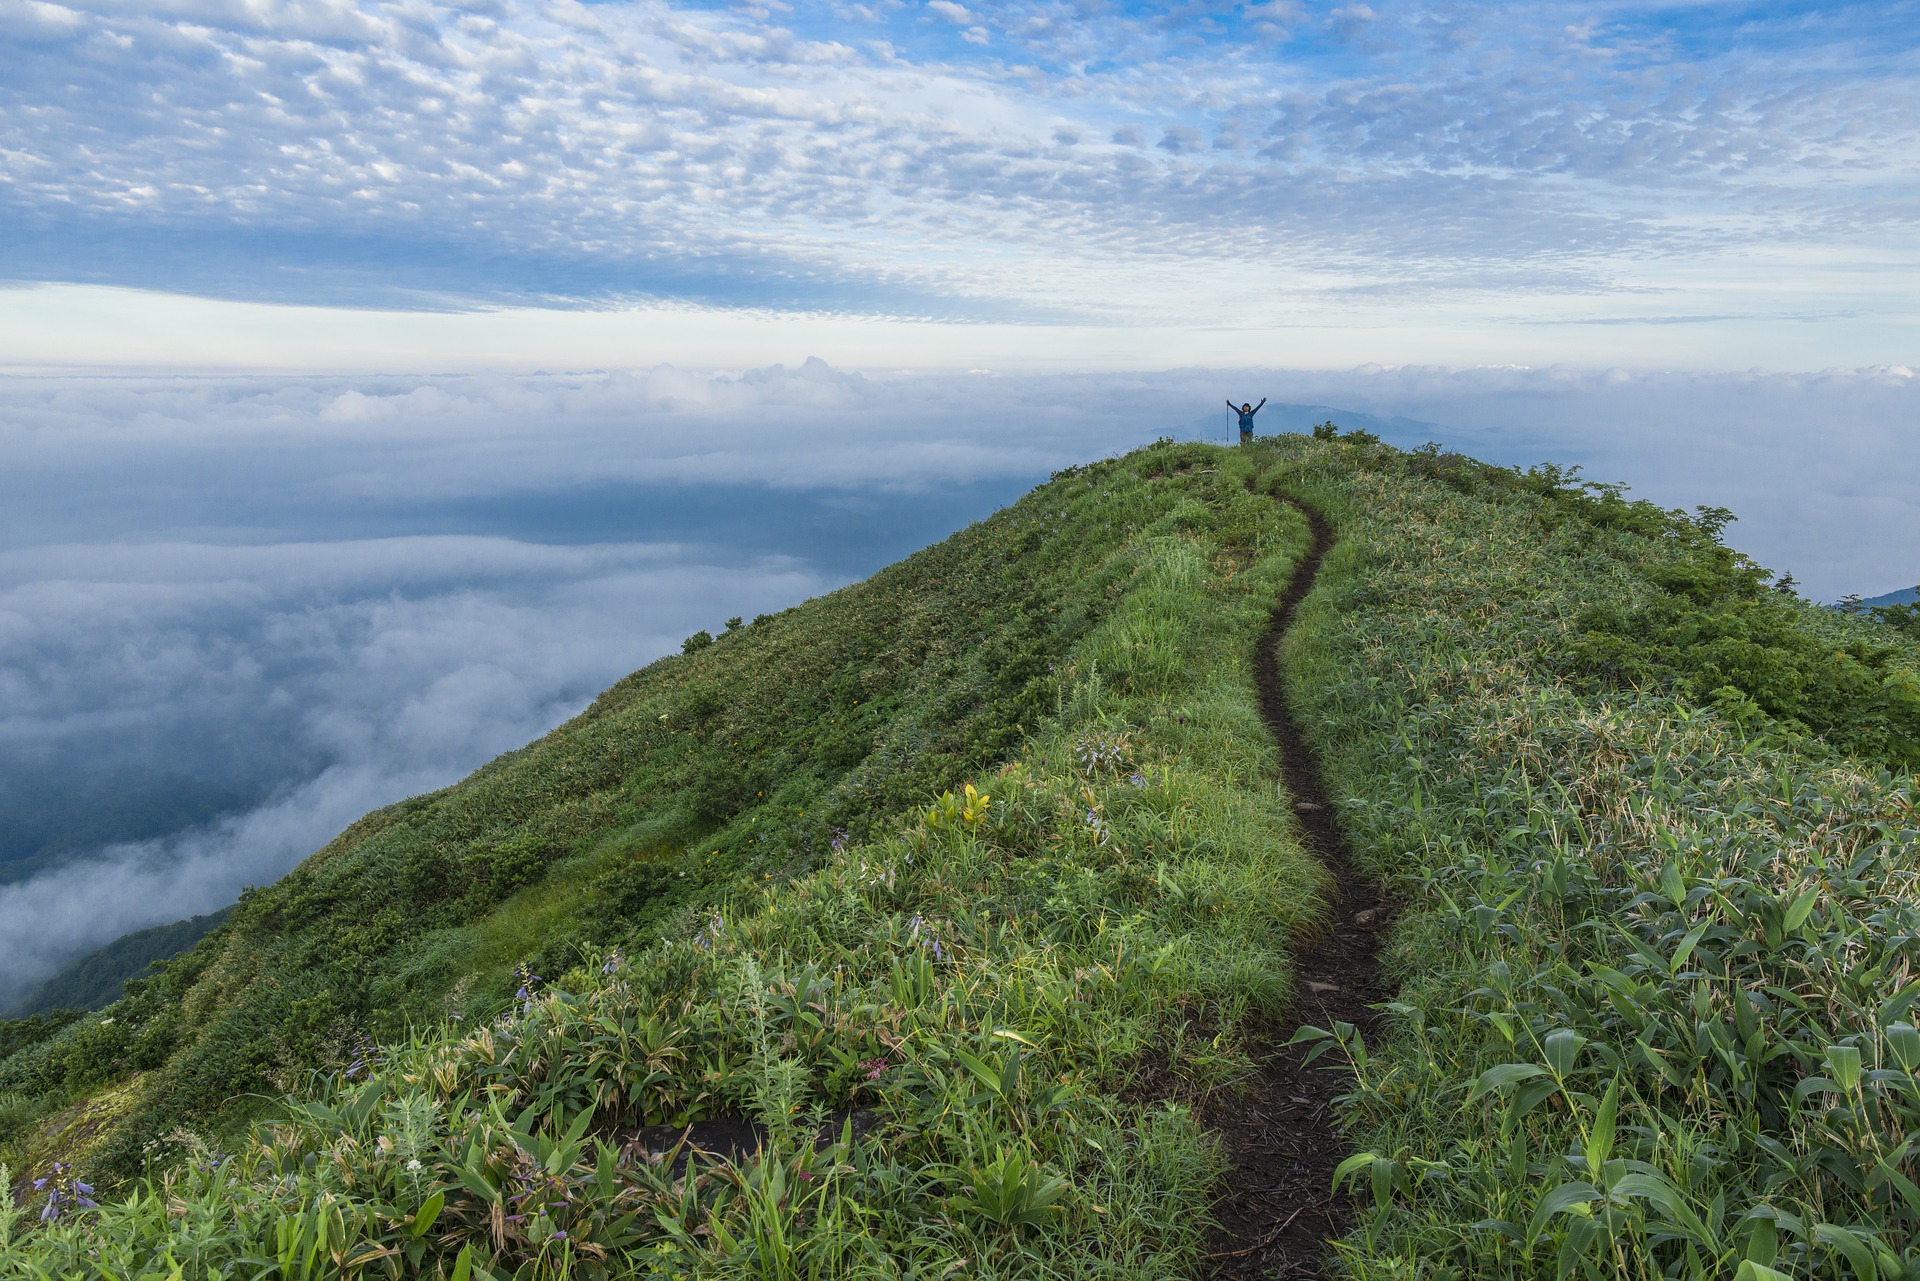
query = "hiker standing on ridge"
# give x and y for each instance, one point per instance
(1246, 413)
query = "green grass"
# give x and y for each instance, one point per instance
(1030, 990)
(992, 845)
(1655, 830)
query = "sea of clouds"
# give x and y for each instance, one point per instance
(236, 613)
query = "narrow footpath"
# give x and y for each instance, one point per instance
(1277, 1211)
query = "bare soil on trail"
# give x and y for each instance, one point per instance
(1277, 1209)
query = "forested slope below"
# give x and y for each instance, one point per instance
(99, 977)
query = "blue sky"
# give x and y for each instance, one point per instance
(1714, 185)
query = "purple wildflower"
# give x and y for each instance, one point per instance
(62, 1190)
(708, 937)
(366, 1057)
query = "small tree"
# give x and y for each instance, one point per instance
(1902, 618)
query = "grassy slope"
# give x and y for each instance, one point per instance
(1659, 941)
(998, 980)
(681, 787)
(1649, 820)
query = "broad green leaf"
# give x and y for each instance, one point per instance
(1801, 908)
(987, 1076)
(1562, 1049)
(1900, 1184)
(1903, 1042)
(1567, 1198)
(1500, 1076)
(1851, 1246)
(476, 1182)
(1599, 1145)
(1672, 885)
(1524, 1100)
(1351, 1166)
(1763, 1236)
(1843, 1064)
(429, 1210)
(1659, 1191)
(1687, 944)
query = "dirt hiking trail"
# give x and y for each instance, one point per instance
(1277, 1210)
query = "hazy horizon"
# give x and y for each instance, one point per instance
(235, 614)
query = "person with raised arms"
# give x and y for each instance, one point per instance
(1246, 413)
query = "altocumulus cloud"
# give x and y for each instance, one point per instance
(235, 613)
(959, 161)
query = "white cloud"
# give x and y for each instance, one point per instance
(421, 153)
(34, 20)
(1815, 465)
(382, 668)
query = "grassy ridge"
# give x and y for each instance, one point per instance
(1654, 823)
(681, 789)
(1022, 989)
(1661, 860)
